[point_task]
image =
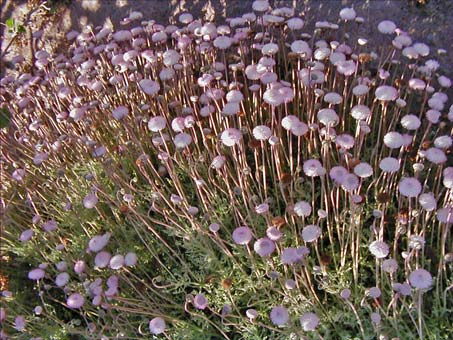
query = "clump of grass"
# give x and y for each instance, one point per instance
(241, 181)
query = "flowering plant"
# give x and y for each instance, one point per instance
(240, 181)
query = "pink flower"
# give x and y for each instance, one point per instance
(200, 301)
(264, 247)
(36, 274)
(302, 208)
(309, 321)
(409, 187)
(279, 315)
(231, 136)
(386, 93)
(90, 201)
(102, 259)
(98, 242)
(379, 249)
(157, 326)
(75, 301)
(79, 267)
(242, 235)
(420, 279)
(313, 168)
(156, 124)
(311, 233)
(149, 86)
(120, 112)
(116, 262)
(19, 323)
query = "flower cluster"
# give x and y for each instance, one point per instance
(250, 179)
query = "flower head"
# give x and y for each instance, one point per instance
(264, 247)
(75, 301)
(420, 279)
(157, 326)
(156, 124)
(309, 321)
(36, 274)
(311, 233)
(279, 315)
(242, 235)
(409, 187)
(231, 136)
(150, 87)
(379, 249)
(200, 301)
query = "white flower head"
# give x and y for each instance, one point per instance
(420, 279)
(309, 321)
(379, 249)
(409, 187)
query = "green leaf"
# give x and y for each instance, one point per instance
(5, 117)
(10, 23)
(20, 29)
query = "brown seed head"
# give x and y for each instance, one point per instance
(227, 283)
